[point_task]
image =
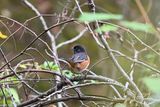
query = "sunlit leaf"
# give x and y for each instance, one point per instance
(23, 66)
(106, 28)
(138, 26)
(10, 103)
(50, 65)
(45, 64)
(3, 36)
(4, 92)
(152, 84)
(13, 80)
(55, 67)
(90, 17)
(10, 91)
(15, 95)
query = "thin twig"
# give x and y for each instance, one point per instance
(30, 44)
(91, 31)
(137, 61)
(83, 98)
(9, 65)
(121, 70)
(73, 39)
(79, 78)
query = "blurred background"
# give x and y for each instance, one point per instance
(53, 9)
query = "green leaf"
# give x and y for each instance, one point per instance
(10, 91)
(15, 95)
(50, 65)
(138, 26)
(55, 67)
(2, 102)
(106, 28)
(5, 92)
(23, 66)
(13, 80)
(152, 84)
(90, 17)
(44, 65)
(67, 73)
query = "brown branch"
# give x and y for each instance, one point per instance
(62, 84)
(116, 63)
(31, 70)
(82, 98)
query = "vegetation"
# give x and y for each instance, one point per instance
(121, 37)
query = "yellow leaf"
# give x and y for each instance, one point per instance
(22, 66)
(3, 36)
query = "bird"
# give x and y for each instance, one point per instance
(80, 60)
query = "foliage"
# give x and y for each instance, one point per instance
(67, 73)
(2, 36)
(91, 17)
(8, 93)
(127, 52)
(106, 28)
(138, 26)
(50, 66)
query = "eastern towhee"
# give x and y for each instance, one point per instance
(80, 59)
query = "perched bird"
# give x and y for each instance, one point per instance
(80, 59)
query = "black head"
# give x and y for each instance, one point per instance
(78, 49)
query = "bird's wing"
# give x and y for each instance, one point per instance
(79, 57)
